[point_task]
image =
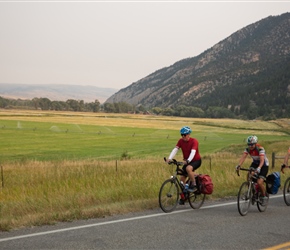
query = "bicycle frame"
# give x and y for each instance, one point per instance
(250, 193)
(172, 189)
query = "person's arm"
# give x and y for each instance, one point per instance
(191, 156)
(243, 158)
(173, 153)
(262, 160)
(286, 158)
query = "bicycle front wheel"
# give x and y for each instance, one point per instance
(286, 192)
(196, 200)
(244, 198)
(168, 195)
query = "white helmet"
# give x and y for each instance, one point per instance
(252, 139)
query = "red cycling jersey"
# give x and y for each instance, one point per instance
(187, 146)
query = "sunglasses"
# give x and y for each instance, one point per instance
(183, 135)
(251, 144)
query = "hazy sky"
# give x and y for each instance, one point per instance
(113, 43)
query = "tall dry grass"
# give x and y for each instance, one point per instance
(37, 193)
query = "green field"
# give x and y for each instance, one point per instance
(58, 166)
(54, 136)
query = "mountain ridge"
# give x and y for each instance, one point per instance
(254, 58)
(56, 92)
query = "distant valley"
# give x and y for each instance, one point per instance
(56, 92)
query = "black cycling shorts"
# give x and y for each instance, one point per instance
(195, 165)
(264, 170)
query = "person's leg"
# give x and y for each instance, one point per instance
(262, 178)
(260, 182)
(183, 178)
(191, 174)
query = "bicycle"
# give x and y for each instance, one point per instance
(250, 193)
(286, 190)
(173, 189)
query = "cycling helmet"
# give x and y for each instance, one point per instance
(185, 130)
(252, 139)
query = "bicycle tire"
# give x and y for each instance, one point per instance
(244, 198)
(196, 200)
(168, 195)
(286, 191)
(262, 206)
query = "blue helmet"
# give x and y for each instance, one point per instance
(185, 130)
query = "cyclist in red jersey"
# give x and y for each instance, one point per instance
(191, 156)
(260, 161)
(285, 164)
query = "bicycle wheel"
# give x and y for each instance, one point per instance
(196, 199)
(286, 192)
(244, 198)
(262, 204)
(168, 195)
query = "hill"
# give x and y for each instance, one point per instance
(56, 92)
(247, 72)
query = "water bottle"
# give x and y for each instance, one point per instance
(186, 187)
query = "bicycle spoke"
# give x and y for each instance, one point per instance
(196, 200)
(168, 196)
(262, 204)
(244, 199)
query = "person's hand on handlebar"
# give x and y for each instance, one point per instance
(258, 170)
(168, 160)
(282, 168)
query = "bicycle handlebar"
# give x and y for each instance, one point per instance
(245, 169)
(175, 162)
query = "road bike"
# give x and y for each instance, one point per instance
(286, 190)
(250, 193)
(173, 189)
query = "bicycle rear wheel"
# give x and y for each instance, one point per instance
(168, 195)
(262, 204)
(196, 200)
(244, 199)
(286, 192)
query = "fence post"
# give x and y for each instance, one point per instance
(116, 165)
(273, 160)
(2, 176)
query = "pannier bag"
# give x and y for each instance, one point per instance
(205, 184)
(273, 183)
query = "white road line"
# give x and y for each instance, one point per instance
(118, 221)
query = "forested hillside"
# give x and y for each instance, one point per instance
(245, 75)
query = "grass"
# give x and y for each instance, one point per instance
(68, 166)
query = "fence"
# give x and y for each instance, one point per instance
(274, 157)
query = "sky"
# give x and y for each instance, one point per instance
(112, 44)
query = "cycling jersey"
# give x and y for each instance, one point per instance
(187, 146)
(256, 153)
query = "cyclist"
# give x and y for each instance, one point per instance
(285, 164)
(191, 157)
(260, 161)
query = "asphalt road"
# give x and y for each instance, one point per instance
(217, 225)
